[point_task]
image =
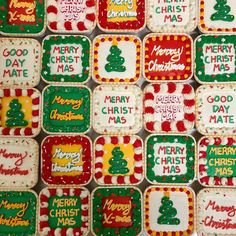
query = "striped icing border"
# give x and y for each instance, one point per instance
(191, 222)
(203, 178)
(44, 196)
(133, 179)
(27, 131)
(179, 126)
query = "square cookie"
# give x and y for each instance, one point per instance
(170, 159)
(71, 16)
(216, 109)
(169, 211)
(66, 109)
(18, 162)
(66, 59)
(169, 108)
(118, 160)
(171, 16)
(217, 16)
(20, 62)
(167, 57)
(116, 211)
(19, 112)
(19, 212)
(116, 15)
(66, 160)
(217, 161)
(215, 58)
(22, 17)
(64, 211)
(216, 212)
(116, 59)
(117, 109)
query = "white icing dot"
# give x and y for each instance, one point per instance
(149, 155)
(173, 178)
(199, 40)
(199, 72)
(190, 158)
(155, 139)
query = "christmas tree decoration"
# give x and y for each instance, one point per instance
(118, 164)
(15, 115)
(222, 12)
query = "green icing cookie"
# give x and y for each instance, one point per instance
(66, 109)
(66, 59)
(18, 213)
(170, 159)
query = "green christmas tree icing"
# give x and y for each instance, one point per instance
(168, 212)
(222, 11)
(115, 61)
(118, 164)
(15, 115)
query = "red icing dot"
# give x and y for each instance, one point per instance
(171, 87)
(165, 126)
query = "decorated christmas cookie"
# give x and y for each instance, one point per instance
(215, 58)
(71, 16)
(216, 212)
(171, 16)
(64, 211)
(22, 17)
(66, 109)
(217, 161)
(217, 16)
(169, 108)
(20, 62)
(116, 15)
(170, 159)
(167, 57)
(66, 160)
(216, 109)
(18, 162)
(116, 59)
(117, 109)
(169, 211)
(118, 160)
(116, 211)
(19, 112)
(18, 211)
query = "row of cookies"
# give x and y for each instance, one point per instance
(80, 16)
(117, 59)
(119, 211)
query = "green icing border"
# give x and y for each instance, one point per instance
(31, 212)
(60, 40)
(199, 63)
(86, 94)
(36, 29)
(186, 178)
(99, 193)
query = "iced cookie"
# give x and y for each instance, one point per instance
(217, 162)
(66, 109)
(169, 108)
(116, 211)
(20, 62)
(117, 109)
(169, 211)
(216, 109)
(20, 112)
(66, 160)
(19, 212)
(66, 59)
(215, 58)
(170, 159)
(216, 212)
(64, 211)
(25, 17)
(118, 160)
(171, 16)
(116, 15)
(217, 16)
(116, 59)
(167, 57)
